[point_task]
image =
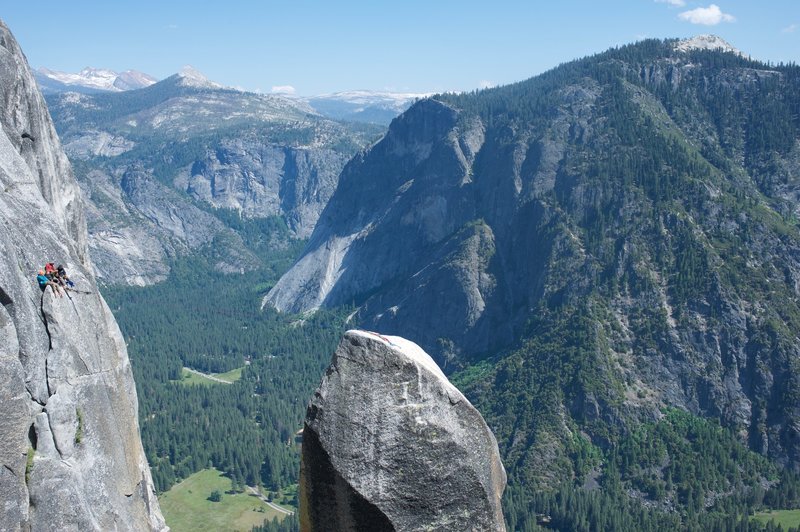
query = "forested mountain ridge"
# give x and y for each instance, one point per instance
(592, 246)
(163, 168)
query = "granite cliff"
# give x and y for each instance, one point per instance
(390, 444)
(70, 449)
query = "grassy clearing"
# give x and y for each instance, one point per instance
(191, 379)
(186, 506)
(785, 518)
(230, 376)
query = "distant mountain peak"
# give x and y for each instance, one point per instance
(377, 107)
(101, 73)
(707, 42)
(133, 79)
(191, 77)
(97, 79)
(370, 96)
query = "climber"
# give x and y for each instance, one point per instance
(49, 269)
(44, 281)
(61, 276)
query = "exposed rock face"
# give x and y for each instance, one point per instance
(70, 449)
(139, 223)
(412, 191)
(706, 42)
(390, 444)
(260, 179)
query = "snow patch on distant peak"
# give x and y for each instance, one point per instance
(96, 78)
(101, 78)
(191, 77)
(133, 79)
(707, 42)
(97, 73)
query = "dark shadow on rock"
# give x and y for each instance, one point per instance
(346, 510)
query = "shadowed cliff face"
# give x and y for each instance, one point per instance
(390, 444)
(69, 439)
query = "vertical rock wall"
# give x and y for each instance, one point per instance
(70, 453)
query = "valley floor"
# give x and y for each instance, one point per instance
(785, 518)
(186, 506)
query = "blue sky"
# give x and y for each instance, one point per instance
(419, 46)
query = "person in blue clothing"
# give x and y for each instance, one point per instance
(44, 281)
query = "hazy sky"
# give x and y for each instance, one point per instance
(317, 47)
